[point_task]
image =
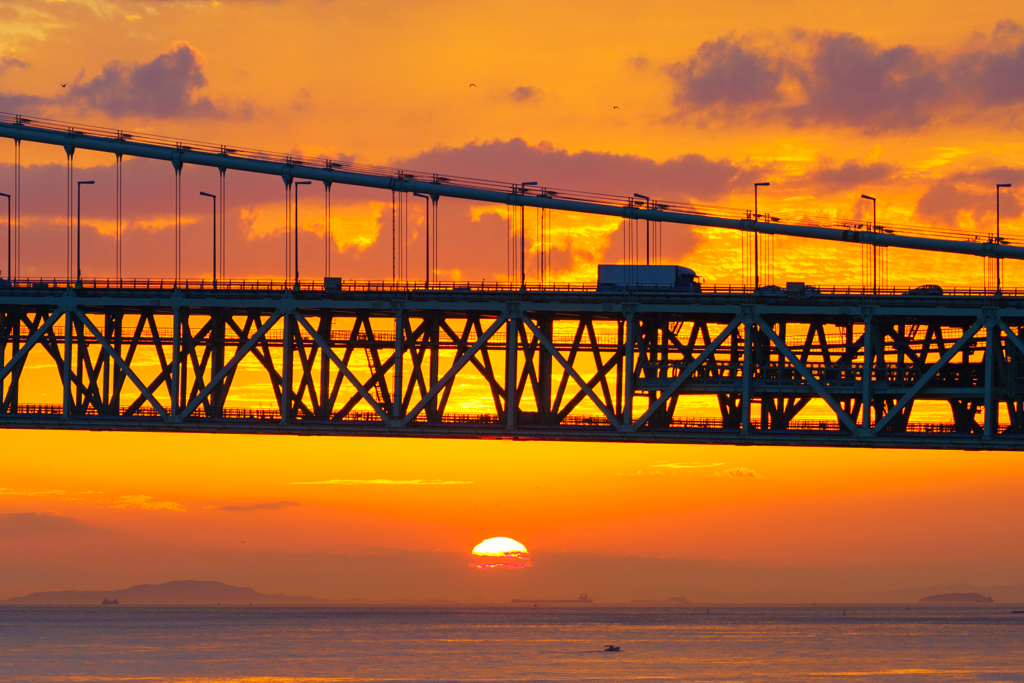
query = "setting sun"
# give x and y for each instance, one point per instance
(500, 552)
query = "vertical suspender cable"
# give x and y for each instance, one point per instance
(436, 231)
(177, 222)
(542, 252)
(17, 209)
(327, 229)
(71, 154)
(405, 235)
(401, 237)
(117, 244)
(223, 222)
(392, 237)
(287, 228)
(539, 231)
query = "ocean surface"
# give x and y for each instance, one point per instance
(731, 643)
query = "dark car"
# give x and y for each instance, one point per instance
(924, 290)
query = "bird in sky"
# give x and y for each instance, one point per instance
(63, 85)
(614, 107)
(472, 85)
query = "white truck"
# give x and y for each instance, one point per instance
(669, 278)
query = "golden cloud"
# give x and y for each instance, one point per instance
(739, 473)
(144, 502)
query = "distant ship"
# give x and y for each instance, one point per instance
(582, 598)
(115, 601)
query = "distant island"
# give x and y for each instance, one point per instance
(170, 593)
(956, 599)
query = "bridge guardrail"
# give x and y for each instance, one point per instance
(411, 286)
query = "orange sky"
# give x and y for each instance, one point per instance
(918, 103)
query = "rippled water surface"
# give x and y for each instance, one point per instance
(743, 643)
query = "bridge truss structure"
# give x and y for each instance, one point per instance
(581, 365)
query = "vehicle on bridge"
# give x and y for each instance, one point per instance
(674, 278)
(924, 290)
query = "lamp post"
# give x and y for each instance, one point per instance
(874, 249)
(522, 234)
(4, 194)
(757, 269)
(648, 243)
(214, 198)
(999, 261)
(297, 183)
(79, 235)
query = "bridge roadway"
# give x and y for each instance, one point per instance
(372, 359)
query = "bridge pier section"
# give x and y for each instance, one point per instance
(66, 374)
(398, 386)
(991, 406)
(287, 357)
(630, 376)
(511, 372)
(748, 333)
(866, 371)
(176, 379)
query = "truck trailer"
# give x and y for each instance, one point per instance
(669, 278)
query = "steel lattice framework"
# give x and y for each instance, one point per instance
(571, 365)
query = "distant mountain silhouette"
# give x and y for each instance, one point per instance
(170, 593)
(956, 599)
(1013, 594)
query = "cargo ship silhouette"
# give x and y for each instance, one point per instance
(582, 598)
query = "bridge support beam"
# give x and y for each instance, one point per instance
(397, 412)
(630, 375)
(866, 376)
(991, 406)
(748, 333)
(511, 371)
(287, 358)
(66, 374)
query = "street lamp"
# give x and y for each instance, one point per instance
(999, 261)
(214, 198)
(757, 269)
(648, 200)
(522, 234)
(297, 183)
(4, 194)
(427, 212)
(79, 237)
(874, 249)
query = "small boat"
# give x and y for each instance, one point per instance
(106, 601)
(611, 648)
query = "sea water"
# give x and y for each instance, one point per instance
(500, 643)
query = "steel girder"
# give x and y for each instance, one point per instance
(943, 372)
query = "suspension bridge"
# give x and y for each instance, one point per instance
(864, 367)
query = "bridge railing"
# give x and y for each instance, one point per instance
(584, 421)
(373, 286)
